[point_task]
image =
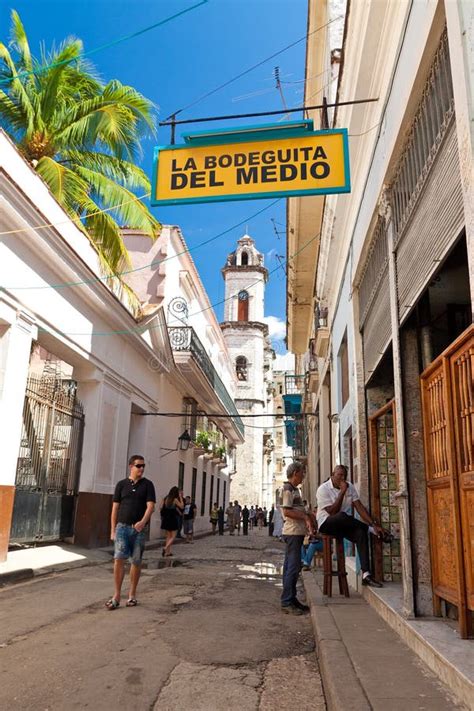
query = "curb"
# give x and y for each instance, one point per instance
(341, 684)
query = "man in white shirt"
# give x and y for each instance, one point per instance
(335, 498)
(296, 524)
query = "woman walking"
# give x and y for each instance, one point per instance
(171, 508)
(214, 518)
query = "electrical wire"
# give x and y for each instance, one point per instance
(141, 329)
(250, 69)
(154, 263)
(73, 219)
(113, 43)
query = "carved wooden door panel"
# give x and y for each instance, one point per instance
(462, 379)
(447, 424)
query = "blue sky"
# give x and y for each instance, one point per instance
(174, 65)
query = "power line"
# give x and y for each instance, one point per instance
(250, 69)
(256, 114)
(154, 263)
(141, 329)
(113, 43)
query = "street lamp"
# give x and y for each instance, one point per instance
(184, 441)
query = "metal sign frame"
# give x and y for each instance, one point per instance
(253, 134)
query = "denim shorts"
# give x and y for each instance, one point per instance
(129, 543)
(188, 526)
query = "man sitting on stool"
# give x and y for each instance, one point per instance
(335, 498)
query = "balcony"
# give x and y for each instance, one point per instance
(200, 375)
(294, 384)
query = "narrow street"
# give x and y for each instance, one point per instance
(207, 634)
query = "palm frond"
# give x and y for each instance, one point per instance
(129, 209)
(117, 169)
(15, 87)
(53, 78)
(19, 41)
(69, 189)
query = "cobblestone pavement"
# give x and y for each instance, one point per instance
(207, 635)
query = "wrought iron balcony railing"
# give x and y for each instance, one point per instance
(294, 384)
(184, 338)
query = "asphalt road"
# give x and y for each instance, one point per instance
(207, 635)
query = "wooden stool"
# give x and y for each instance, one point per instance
(341, 566)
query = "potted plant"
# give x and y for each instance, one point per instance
(202, 441)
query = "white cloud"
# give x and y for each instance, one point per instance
(276, 327)
(284, 362)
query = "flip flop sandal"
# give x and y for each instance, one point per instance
(112, 604)
(131, 602)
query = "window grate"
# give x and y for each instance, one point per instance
(429, 126)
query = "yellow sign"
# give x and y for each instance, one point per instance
(313, 163)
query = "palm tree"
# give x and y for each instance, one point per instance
(81, 136)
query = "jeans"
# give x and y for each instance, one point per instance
(307, 555)
(341, 525)
(291, 568)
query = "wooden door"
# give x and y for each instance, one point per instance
(447, 402)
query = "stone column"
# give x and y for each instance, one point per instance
(460, 26)
(416, 467)
(402, 494)
(17, 330)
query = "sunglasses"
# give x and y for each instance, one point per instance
(139, 466)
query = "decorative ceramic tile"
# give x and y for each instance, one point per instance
(384, 497)
(391, 498)
(388, 577)
(390, 436)
(384, 482)
(383, 466)
(382, 449)
(385, 514)
(395, 547)
(387, 564)
(392, 481)
(396, 577)
(396, 564)
(395, 529)
(392, 466)
(390, 449)
(394, 514)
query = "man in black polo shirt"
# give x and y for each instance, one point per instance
(133, 504)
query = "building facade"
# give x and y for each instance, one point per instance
(85, 378)
(388, 331)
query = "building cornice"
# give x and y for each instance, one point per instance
(245, 326)
(246, 270)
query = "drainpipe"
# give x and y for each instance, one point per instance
(402, 493)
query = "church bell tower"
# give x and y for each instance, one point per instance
(246, 336)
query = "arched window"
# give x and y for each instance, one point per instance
(241, 367)
(244, 259)
(243, 308)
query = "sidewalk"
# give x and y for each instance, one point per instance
(365, 666)
(26, 563)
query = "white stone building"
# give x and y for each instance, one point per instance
(66, 438)
(246, 336)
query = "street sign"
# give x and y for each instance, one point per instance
(255, 162)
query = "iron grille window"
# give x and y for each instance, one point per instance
(429, 126)
(211, 493)
(375, 266)
(190, 416)
(181, 476)
(218, 492)
(193, 485)
(203, 493)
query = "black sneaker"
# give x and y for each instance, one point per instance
(301, 606)
(291, 610)
(368, 580)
